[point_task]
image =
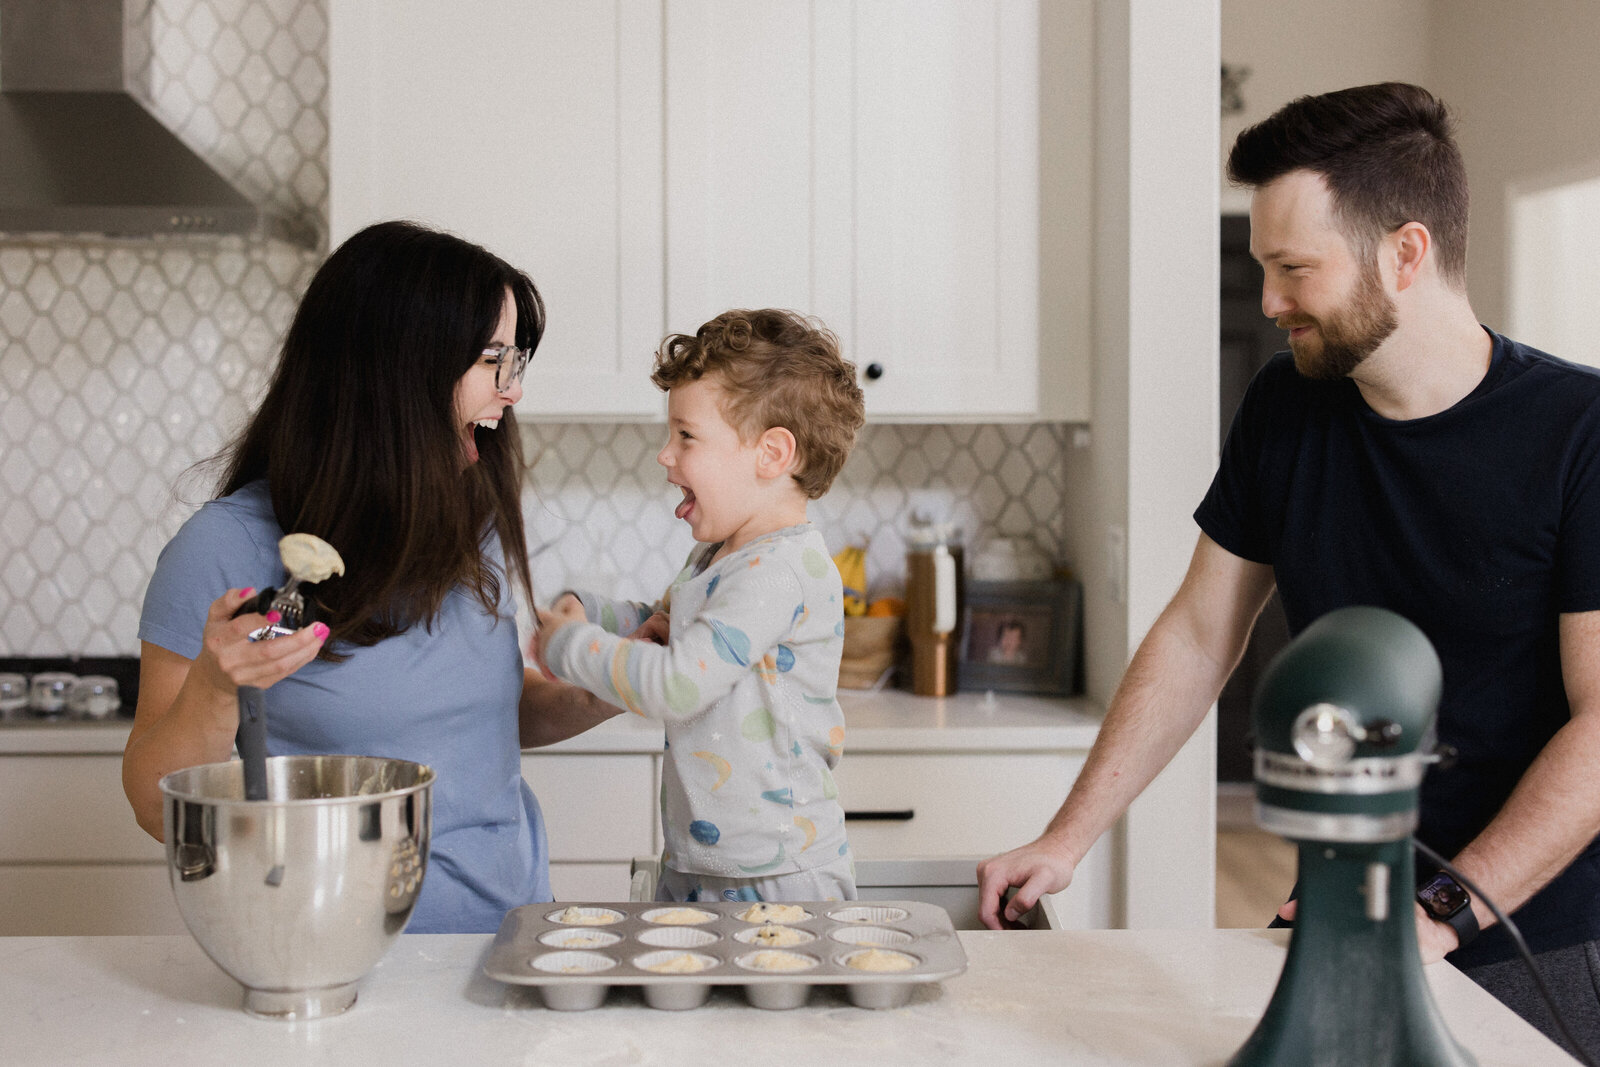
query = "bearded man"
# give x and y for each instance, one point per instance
(1404, 456)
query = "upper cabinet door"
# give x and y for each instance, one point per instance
(534, 128)
(874, 163)
(738, 144)
(947, 204)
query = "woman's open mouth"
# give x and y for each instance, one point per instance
(469, 437)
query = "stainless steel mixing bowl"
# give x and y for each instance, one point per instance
(299, 895)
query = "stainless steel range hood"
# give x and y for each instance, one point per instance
(80, 155)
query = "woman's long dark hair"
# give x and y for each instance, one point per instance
(358, 437)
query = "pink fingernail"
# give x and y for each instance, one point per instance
(273, 616)
(248, 591)
(321, 630)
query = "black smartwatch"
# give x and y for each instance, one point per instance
(1448, 901)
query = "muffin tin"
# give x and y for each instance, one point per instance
(574, 954)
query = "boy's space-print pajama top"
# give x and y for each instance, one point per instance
(747, 690)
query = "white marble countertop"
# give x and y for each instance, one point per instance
(888, 721)
(1165, 998)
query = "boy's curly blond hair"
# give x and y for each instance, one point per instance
(778, 368)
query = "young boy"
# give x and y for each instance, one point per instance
(762, 412)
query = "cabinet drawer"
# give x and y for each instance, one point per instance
(91, 899)
(950, 804)
(595, 807)
(69, 808)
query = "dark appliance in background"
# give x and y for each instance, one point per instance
(1248, 340)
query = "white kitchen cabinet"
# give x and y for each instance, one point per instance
(941, 805)
(877, 163)
(964, 777)
(758, 131)
(532, 127)
(949, 803)
(74, 862)
(913, 172)
(72, 859)
(600, 811)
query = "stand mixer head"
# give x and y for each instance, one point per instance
(1339, 718)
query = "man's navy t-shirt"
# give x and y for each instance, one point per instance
(1481, 525)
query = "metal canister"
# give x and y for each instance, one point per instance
(934, 598)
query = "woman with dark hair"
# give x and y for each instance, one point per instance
(387, 431)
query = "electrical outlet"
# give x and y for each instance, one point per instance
(928, 505)
(1117, 563)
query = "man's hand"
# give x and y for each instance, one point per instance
(1435, 940)
(1036, 868)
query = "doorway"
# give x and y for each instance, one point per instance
(1554, 276)
(1248, 340)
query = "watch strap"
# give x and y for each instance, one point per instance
(1465, 923)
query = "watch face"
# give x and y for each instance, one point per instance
(1442, 895)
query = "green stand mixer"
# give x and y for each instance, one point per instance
(1339, 717)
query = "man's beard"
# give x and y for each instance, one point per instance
(1337, 344)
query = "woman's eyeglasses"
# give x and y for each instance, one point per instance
(510, 362)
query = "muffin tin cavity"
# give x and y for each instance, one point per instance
(879, 960)
(677, 937)
(879, 915)
(771, 935)
(871, 935)
(578, 939)
(764, 912)
(577, 915)
(678, 916)
(674, 961)
(573, 963)
(777, 961)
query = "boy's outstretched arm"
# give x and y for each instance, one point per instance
(740, 629)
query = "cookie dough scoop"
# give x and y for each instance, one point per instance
(308, 559)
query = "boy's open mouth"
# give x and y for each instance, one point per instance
(683, 509)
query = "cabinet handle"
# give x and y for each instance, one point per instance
(905, 815)
(874, 371)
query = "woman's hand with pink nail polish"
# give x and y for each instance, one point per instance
(229, 658)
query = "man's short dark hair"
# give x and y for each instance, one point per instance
(1388, 155)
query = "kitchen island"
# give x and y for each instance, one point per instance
(1163, 998)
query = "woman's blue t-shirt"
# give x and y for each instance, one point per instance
(445, 695)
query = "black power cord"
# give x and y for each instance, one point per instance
(1516, 939)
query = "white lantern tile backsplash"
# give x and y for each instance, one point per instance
(123, 363)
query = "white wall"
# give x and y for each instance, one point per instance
(1524, 79)
(1521, 78)
(1295, 47)
(1554, 274)
(1154, 423)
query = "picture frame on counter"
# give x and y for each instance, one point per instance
(1022, 636)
